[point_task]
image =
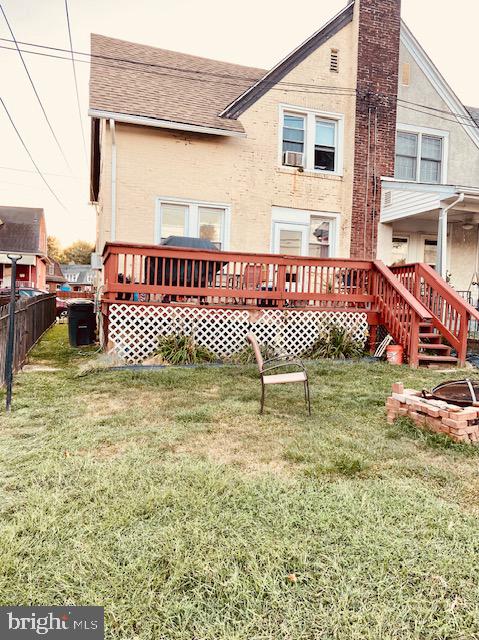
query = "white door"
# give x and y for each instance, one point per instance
(290, 239)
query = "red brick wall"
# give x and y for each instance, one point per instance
(376, 108)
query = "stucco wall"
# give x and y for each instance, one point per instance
(463, 156)
(242, 173)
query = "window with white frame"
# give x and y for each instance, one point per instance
(195, 219)
(320, 235)
(419, 157)
(314, 135)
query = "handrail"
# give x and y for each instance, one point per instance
(418, 308)
(450, 312)
(399, 310)
(448, 291)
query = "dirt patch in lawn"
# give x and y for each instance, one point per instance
(245, 450)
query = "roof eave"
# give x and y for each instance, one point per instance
(163, 124)
(275, 75)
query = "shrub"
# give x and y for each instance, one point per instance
(177, 348)
(336, 343)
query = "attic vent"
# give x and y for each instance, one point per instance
(406, 74)
(334, 62)
(388, 198)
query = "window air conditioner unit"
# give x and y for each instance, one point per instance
(293, 159)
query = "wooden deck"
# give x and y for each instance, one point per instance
(404, 300)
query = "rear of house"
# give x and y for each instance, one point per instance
(254, 160)
(316, 158)
(301, 159)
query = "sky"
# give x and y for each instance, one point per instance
(254, 33)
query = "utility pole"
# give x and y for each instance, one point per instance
(11, 332)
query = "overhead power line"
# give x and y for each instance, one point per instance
(34, 88)
(45, 173)
(75, 80)
(30, 155)
(203, 76)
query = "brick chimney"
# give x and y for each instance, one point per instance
(379, 24)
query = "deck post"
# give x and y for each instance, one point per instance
(463, 333)
(414, 343)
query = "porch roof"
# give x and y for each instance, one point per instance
(403, 199)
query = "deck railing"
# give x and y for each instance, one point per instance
(451, 314)
(162, 275)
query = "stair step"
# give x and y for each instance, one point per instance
(425, 324)
(435, 347)
(426, 357)
(430, 335)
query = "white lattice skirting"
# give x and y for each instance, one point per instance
(134, 329)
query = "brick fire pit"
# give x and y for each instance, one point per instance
(460, 424)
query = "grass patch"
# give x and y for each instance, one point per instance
(166, 498)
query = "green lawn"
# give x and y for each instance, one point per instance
(166, 498)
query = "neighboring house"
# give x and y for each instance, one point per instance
(437, 164)
(289, 160)
(80, 277)
(23, 232)
(54, 276)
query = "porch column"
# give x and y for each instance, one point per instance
(441, 264)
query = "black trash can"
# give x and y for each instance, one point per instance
(81, 322)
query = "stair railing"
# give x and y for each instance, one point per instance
(450, 313)
(399, 310)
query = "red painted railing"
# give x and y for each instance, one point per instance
(172, 275)
(400, 311)
(450, 312)
(161, 275)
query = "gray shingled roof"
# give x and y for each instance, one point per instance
(474, 111)
(166, 85)
(81, 270)
(20, 230)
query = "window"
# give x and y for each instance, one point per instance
(419, 157)
(400, 251)
(334, 61)
(51, 269)
(304, 233)
(293, 133)
(194, 219)
(173, 220)
(431, 159)
(314, 135)
(406, 156)
(320, 237)
(325, 145)
(430, 252)
(211, 224)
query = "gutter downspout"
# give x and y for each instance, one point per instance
(441, 265)
(113, 181)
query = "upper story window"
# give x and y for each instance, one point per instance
(195, 219)
(420, 157)
(311, 140)
(293, 133)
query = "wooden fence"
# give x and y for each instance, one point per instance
(33, 316)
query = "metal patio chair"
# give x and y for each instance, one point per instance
(267, 366)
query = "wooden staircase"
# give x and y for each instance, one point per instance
(432, 351)
(441, 326)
